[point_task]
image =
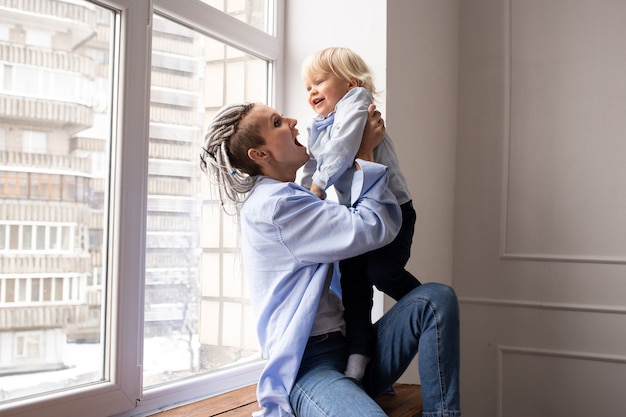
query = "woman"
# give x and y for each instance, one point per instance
(290, 241)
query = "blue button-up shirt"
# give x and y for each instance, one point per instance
(290, 240)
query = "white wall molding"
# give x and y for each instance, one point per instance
(540, 305)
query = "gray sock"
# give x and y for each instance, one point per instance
(356, 366)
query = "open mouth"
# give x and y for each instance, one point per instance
(317, 101)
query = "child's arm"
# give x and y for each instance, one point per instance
(338, 154)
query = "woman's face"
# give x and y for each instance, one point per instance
(281, 155)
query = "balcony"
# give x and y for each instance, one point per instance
(60, 163)
(55, 9)
(35, 112)
(73, 18)
(176, 82)
(40, 317)
(46, 58)
(43, 264)
(88, 144)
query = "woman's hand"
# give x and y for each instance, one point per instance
(373, 134)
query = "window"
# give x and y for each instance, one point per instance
(257, 13)
(28, 237)
(189, 310)
(45, 182)
(28, 345)
(121, 289)
(6, 71)
(34, 142)
(47, 83)
(39, 38)
(4, 32)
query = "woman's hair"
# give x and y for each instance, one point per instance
(224, 156)
(343, 63)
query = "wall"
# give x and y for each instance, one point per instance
(414, 59)
(507, 116)
(412, 49)
(310, 26)
(422, 77)
(540, 232)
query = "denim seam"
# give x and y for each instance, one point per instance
(310, 400)
(445, 412)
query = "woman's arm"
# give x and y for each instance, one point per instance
(373, 134)
(316, 231)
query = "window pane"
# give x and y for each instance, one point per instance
(10, 290)
(53, 89)
(14, 237)
(47, 289)
(195, 308)
(256, 13)
(27, 237)
(53, 238)
(3, 236)
(69, 188)
(54, 190)
(34, 289)
(40, 232)
(66, 243)
(22, 289)
(34, 142)
(22, 185)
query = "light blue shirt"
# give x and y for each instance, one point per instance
(290, 240)
(335, 140)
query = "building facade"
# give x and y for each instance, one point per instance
(56, 142)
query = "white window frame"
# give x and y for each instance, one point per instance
(52, 233)
(26, 339)
(234, 32)
(121, 392)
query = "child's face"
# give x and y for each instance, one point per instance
(325, 90)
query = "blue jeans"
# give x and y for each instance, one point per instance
(424, 320)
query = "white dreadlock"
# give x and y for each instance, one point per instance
(232, 184)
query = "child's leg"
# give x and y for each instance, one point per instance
(357, 296)
(385, 267)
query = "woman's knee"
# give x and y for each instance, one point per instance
(442, 297)
(448, 304)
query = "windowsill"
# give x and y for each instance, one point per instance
(407, 402)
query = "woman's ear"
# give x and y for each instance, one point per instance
(256, 154)
(353, 82)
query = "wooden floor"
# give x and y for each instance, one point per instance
(407, 402)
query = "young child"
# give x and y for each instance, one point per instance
(340, 88)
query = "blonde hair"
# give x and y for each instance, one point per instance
(343, 63)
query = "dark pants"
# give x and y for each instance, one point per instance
(383, 268)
